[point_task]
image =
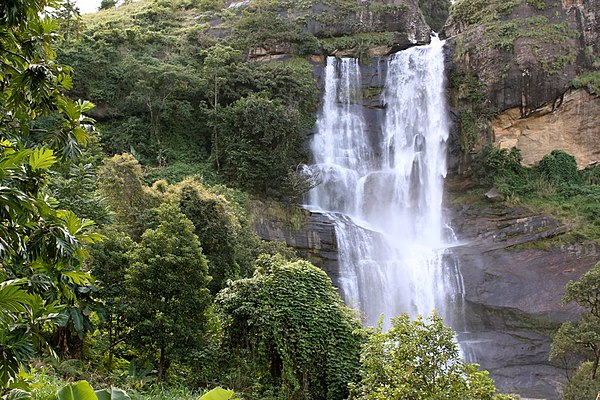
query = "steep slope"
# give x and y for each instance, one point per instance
(517, 61)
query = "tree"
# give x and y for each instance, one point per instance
(435, 12)
(106, 4)
(109, 263)
(167, 292)
(216, 224)
(216, 61)
(69, 18)
(120, 181)
(419, 359)
(290, 325)
(582, 338)
(41, 247)
(263, 142)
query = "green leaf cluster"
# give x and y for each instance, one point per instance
(589, 80)
(419, 359)
(42, 248)
(288, 322)
(555, 185)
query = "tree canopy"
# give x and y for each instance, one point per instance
(419, 359)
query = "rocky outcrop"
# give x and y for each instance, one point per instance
(401, 20)
(570, 124)
(511, 67)
(333, 19)
(313, 237)
(525, 59)
(513, 288)
(587, 13)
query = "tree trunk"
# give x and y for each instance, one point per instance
(595, 365)
(111, 343)
(161, 365)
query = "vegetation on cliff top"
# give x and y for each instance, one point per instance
(554, 185)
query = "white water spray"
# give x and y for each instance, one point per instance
(385, 191)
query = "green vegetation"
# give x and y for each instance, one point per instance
(589, 80)
(581, 339)
(360, 42)
(436, 12)
(495, 26)
(288, 320)
(474, 111)
(555, 185)
(41, 246)
(476, 12)
(398, 364)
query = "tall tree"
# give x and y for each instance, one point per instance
(110, 261)
(41, 247)
(167, 292)
(582, 338)
(120, 181)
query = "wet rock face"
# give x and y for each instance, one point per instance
(513, 293)
(587, 13)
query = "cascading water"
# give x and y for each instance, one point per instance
(384, 190)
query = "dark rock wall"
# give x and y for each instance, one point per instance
(513, 287)
(313, 238)
(534, 69)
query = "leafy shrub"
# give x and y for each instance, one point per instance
(290, 325)
(560, 168)
(419, 360)
(501, 168)
(589, 80)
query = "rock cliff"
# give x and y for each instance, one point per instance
(524, 56)
(570, 123)
(513, 288)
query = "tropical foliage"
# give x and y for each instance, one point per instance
(581, 339)
(290, 325)
(400, 364)
(41, 246)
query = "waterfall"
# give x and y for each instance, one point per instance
(384, 189)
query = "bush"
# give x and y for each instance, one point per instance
(293, 331)
(560, 168)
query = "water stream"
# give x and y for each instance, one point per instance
(383, 189)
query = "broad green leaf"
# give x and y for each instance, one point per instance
(41, 159)
(13, 298)
(85, 105)
(70, 108)
(77, 277)
(77, 318)
(114, 394)
(77, 391)
(218, 394)
(103, 394)
(18, 394)
(81, 135)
